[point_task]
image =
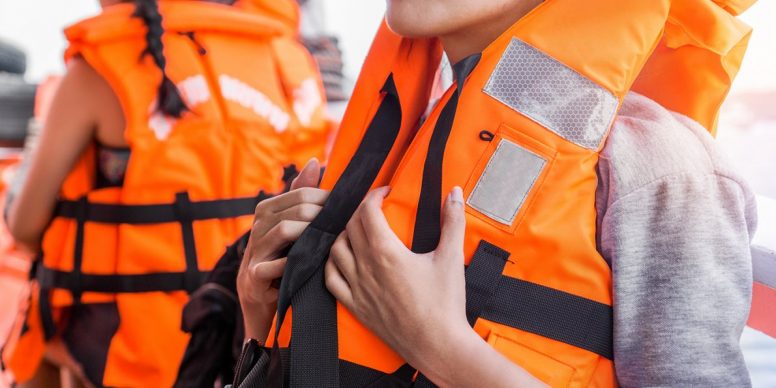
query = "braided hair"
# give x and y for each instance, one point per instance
(169, 98)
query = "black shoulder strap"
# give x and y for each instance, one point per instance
(314, 359)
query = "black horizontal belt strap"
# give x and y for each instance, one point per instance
(553, 314)
(251, 364)
(314, 356)
(116, 283)
(159, 213)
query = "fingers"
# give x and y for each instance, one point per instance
(309, 176)
(300, 212)
(337, 285)
(453, 226)
(375, 225)
(268, 270)
(292, 198)
(342, 255)
(300, 205)
(277, 238)
(356, 237)
(257, 287)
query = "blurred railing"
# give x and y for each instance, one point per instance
(763, 314)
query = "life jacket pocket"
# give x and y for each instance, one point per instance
(543, 367)
(507, 177)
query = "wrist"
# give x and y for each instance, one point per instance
(257, 320)
(441, 361)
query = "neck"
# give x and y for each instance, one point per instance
(474, 38)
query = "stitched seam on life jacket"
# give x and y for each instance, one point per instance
(553, 95)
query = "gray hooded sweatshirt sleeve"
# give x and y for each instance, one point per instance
(674, 223)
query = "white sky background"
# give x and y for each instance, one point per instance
(36, 25)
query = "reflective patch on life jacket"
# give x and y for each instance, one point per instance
(307, 99)
(241, 93)
(161, 124)
(194, 91)
(506, 181)
(552, 94)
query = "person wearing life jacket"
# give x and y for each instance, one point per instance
(561, 217)
(174, 119)
(212, 315)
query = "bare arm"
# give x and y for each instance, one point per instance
(83, 102)
(452, 365)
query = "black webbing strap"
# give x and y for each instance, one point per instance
(314, 360)
(531, 307)
(182, 205)
(78, 250)
(553, 314)
(159, 213)
(427, 221)
(114, 284)
(46, 316)
(78, 283)
(427, 229)
(482, 278)
(182, 210)
(290, 172)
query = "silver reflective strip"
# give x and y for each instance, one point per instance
(506, 181)
(552, 94)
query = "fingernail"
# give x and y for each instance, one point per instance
(457, 196)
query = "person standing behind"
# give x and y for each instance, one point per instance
(174, 119)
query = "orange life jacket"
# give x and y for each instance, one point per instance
(190, 187)
(520, 130)
(295, 65)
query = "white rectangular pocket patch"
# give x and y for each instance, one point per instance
(506, 181)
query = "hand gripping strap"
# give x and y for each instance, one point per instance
(313, 348)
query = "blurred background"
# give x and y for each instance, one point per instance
(747, 128)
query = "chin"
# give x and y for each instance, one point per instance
(406, 19)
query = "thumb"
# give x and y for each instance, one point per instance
(453, 226)
(309, 176)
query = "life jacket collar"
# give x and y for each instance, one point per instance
(463, 68)
(116, 22)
